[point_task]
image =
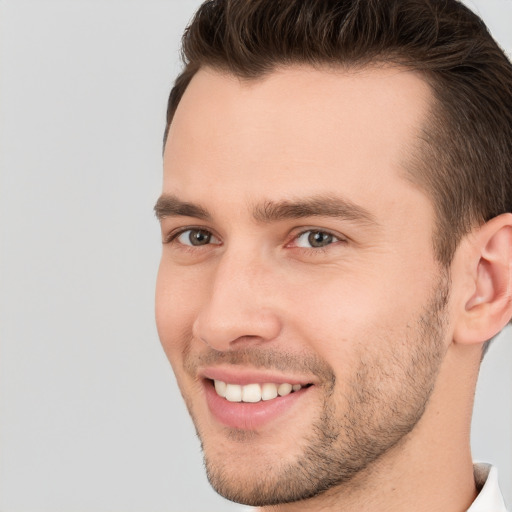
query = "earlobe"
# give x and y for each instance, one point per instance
(488, 305)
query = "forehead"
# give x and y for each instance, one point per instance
(296, 129)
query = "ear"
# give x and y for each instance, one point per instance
(487, 304)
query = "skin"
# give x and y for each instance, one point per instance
(371, 319)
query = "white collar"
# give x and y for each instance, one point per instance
(489, 498)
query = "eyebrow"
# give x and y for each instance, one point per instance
(274, 211)
(316, 206)
(171, 206)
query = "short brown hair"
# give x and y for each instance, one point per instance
(464, 157)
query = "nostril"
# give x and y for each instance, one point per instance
(222, 324)
(204, 341)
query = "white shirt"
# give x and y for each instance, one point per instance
(489, 498)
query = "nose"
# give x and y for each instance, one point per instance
(240, 308)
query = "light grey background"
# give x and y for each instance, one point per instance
(90, 417)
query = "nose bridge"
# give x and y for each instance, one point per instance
(240, 303)
(245, 267)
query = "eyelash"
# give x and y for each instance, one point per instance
(173, 236)
(336, 239)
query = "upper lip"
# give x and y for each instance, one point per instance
(243, 376)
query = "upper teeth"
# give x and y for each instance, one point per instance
(253, 392)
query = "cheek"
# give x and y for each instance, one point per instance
(343, 312)
(177, 297)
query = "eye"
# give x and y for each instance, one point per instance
(196, 237)
(315, 239)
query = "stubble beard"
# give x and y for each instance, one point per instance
(384, 401)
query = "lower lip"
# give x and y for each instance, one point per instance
(249, 416)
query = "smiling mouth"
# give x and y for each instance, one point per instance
(253, 393)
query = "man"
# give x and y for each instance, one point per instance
(337, 248)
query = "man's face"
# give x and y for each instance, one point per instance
(297, 255)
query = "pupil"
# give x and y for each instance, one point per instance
(199, 237)
(319, 239)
